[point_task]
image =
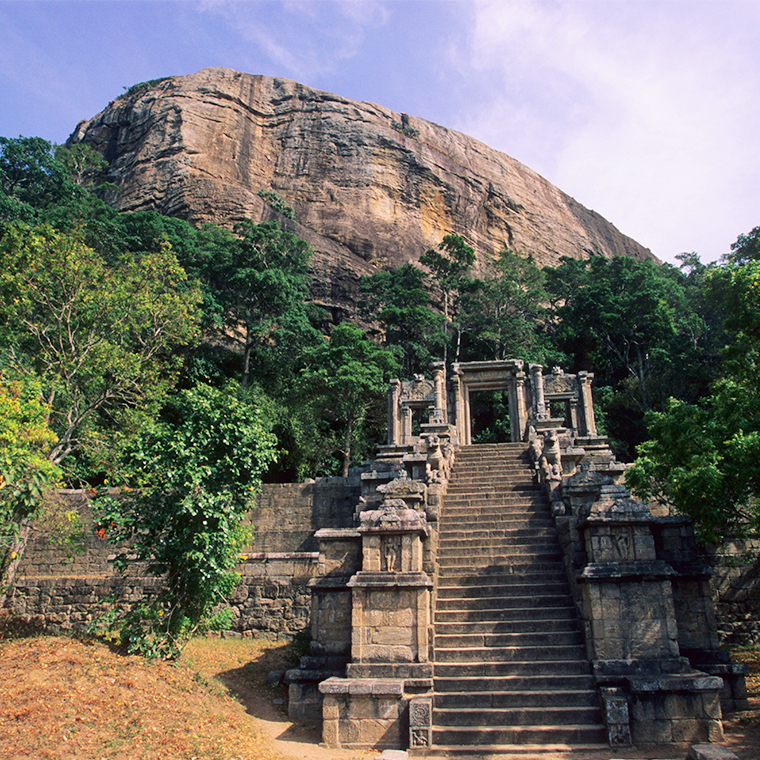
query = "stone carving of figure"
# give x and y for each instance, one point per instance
(435, 460)
(392, 553)
(551, 457)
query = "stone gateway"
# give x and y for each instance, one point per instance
(508, 594)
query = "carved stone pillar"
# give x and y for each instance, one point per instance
(405, 413)
(519, 424)
(394, 391)
(439, 378)
(587, 424)
(537, 385)
(628, 600)
(457, 392)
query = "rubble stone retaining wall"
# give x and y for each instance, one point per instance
(63, 593)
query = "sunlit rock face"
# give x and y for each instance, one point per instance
(370, 187)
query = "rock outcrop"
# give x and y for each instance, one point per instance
(370, 187)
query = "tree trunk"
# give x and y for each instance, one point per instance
(17, 547)
(347, 447)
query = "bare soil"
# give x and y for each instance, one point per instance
(67, 698)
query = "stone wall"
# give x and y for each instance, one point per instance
(736, 590)
(63, 593)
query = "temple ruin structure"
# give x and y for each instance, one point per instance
(639, 592)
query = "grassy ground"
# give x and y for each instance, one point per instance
(65, 698)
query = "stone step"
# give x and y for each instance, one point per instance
(495, 507)
(477, 716)
(495, 542)
(515, 684)
(500, 519)
(511, 654)
(496, 576)
(500, 531)
(500, 615)
(530, 526)
(495, 699)
(484, 485)
(561, 624)
(550, 639)
(451, 739)
(516, 588)
(511, 498)
(536, 560)
(524, 751)
(514, 601)
(522, 668)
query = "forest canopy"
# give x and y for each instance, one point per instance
(107, 316)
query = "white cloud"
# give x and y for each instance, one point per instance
(303, 38)
(645, 111)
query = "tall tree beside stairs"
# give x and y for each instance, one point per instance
(343, 378)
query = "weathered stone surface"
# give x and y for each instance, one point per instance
(710, 752)
(364, 193)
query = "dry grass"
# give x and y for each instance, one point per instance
(67, 698)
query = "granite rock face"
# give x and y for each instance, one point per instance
(370, 187)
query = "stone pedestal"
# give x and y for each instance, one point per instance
(627, 597)
(360, 713)
(390, 628)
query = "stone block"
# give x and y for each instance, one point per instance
(684, 731)
(710, 752)
(651, 732)
(392, 636)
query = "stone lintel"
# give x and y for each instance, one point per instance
(342, 534)
(330, 583)
(610, 670)
(274, 556)
(363, 686)
(688, 682)
(364, 579)
(302, 675)
(602, 572)
(617, 518)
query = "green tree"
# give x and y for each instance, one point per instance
(101, 339)
(26, 473)
(343, 381)
(399, 301)
(260, 287)
(631, 323)
(188, 482)
(451, 265)
(701, 458)
(507, 312)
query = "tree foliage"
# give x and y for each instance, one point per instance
(26, 472)
(398, 299)
(100, 338)
(634, 324)
(190, 478)
(343, 381)
(701, 458)
(506, 311)
(450, 266)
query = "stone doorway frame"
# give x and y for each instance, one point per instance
(490, 376)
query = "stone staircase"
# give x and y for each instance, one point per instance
(510, 664)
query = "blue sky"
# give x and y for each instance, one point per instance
(647, 111)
